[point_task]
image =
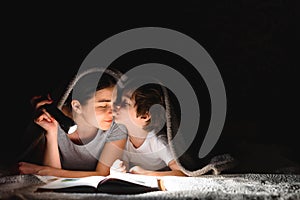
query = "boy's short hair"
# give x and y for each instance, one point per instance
(149, 98)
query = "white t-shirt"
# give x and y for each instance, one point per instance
(154, 154)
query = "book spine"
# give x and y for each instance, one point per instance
(160, 184)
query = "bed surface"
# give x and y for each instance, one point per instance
(225, 186)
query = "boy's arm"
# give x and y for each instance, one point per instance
(175, 170)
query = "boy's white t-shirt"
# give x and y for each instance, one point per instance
(154, 154)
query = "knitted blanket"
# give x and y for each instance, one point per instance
(188, 161)
(229, 186)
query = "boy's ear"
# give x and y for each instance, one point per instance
(76, 106)
(145, 117)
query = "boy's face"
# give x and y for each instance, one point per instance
(126, 114)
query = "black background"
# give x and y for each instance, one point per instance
(254, 44)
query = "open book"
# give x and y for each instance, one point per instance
(118, 183)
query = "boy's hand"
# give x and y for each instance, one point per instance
(118, 166)
(138, 170)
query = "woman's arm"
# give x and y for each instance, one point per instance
(29, 168)
(50, 125)
(51, 154)
(112, 151)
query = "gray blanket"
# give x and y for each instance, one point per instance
(227, 186)
(188, 161)
(206, 178)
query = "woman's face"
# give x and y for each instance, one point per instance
(98, 110)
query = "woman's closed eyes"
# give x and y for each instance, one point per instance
(103, 105)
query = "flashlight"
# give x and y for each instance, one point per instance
(65, 122)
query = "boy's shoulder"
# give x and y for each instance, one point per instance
(158, 140)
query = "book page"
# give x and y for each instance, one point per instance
(149, 181)
(46, 179)
(182, 183)
(59, 182)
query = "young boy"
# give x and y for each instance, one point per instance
(142, 111)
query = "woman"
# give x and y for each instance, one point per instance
(96, 143)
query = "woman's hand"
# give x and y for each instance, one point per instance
(39, 100)
(42, 117)
(29, 168)
(47, 122)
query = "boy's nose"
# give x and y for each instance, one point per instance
(116, 108)
(116, 105)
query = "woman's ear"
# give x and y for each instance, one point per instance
(76, 106)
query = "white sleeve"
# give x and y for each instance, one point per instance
(164, 150)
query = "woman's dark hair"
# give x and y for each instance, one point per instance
(87, 85)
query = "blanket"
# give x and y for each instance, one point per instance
(226, 186)
(188, 161)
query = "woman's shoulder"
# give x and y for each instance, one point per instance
(117, 132)
(118, 128)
